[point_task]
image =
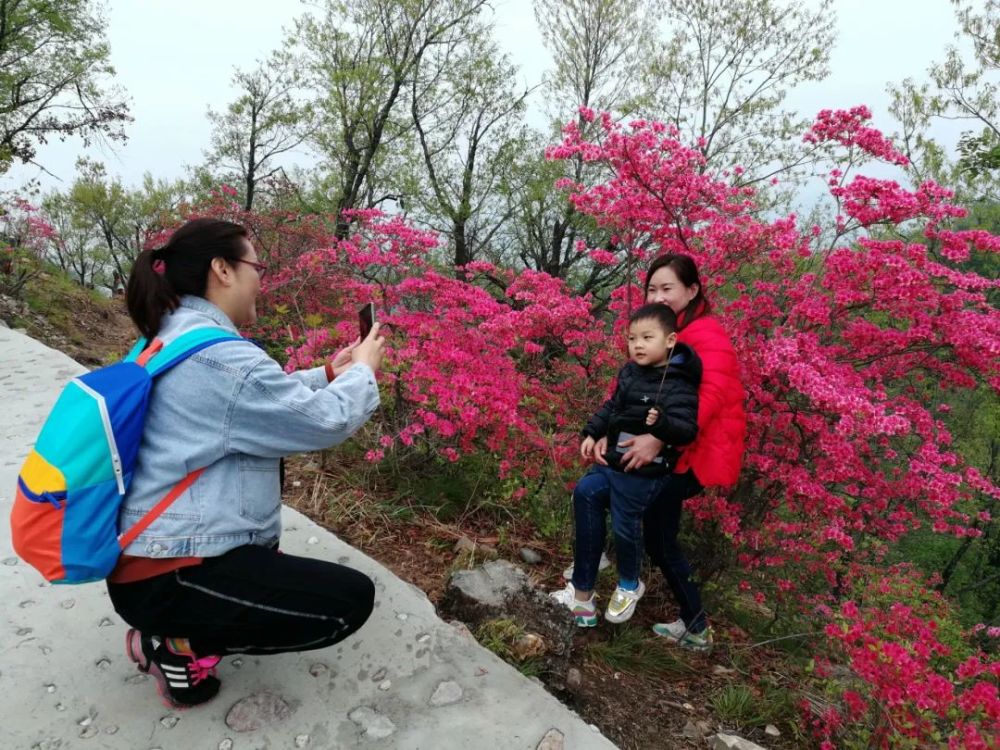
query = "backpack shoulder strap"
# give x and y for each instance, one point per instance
(166, 356)
(135, 351)
(158, 357)
(126, 538)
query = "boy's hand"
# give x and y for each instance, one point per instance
(600, 449)
(587, 448)
(652, 416)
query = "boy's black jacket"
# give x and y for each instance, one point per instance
(636, 393)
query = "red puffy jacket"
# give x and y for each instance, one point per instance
(716, 455)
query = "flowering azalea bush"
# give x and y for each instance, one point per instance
(23, 237)
(914, 677)
(491, 361)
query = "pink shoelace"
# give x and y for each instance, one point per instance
(201, 668)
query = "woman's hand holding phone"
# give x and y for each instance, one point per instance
(342, 359)
(371, 349)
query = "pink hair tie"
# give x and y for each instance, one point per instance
(159, 266)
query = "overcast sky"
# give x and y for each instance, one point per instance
(176, 58)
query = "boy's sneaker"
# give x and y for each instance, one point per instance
(622, 604)
(604, 563)
(585, 613)
(678, 632)
(183, 679)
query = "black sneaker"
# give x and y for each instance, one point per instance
(183, 679)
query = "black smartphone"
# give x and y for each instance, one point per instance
(366, 319)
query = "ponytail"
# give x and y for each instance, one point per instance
(160, 277)
(149, 295)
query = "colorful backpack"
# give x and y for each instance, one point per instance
(64, 520)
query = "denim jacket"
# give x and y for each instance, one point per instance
(233, 411)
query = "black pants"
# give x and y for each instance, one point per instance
(251, 600)
(661, 526)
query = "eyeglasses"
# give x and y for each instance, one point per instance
(259, 267)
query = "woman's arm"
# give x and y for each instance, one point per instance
(271, 414)
(315, 378)
(720, 370)
(274, 414)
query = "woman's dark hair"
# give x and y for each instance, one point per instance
(687, 272)
(160, 277)
(662, 314)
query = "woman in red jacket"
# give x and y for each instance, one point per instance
(714, 458)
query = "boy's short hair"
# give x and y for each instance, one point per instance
(659, 312)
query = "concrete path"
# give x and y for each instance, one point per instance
(406, 680)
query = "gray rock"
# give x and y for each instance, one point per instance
(257, 711)
(490, 584)
(528, 646)
(722, 741)
(772, 731)
(375, 724)
(464, 544)
(574, 679)
(553, 740)
(500, 590)
(691, 731)
(530, 556)
(446, 693)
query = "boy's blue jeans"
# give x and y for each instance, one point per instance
(628, 497)
(658, 524)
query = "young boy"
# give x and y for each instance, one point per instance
(652, 395)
